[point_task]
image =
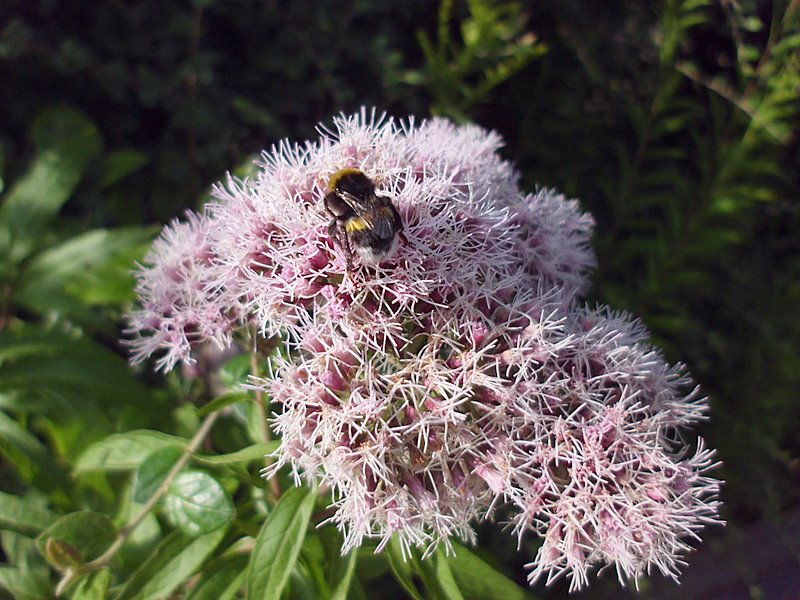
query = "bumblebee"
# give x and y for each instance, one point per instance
(362, 219)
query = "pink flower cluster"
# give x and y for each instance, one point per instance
(459, 374)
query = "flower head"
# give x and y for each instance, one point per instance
(461, 372)
(180, 305)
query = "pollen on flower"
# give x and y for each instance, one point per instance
(460, 373)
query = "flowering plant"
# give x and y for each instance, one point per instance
(460, 373)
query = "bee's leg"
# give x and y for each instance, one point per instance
(348, 251)
(398, 225)
(335, 206)
(339, 235)
(333, 230)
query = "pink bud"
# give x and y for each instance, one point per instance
(318, 261)
(332, 380)
(493, 478)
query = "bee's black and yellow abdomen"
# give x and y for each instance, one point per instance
(355, 224)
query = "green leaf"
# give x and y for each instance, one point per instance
(342, 582)
(222, 580)
(66, 143)
(153, 470)
(223, 401)
(444, 577)
(436, 576)
(94, 586)
(30, 457)
(278, 544)
(41, 361)
(173, 562)
(480, 581)
(25, 585)
(47, 279)
(402, 568)
(21, 550)
(124, 451)
(197, 503)
(89, 533)
(235, 371)
(118, 165)
(314, 571)
(254, 452)
(371, 566)
(111, 283)
(23, 514)
(322, 557)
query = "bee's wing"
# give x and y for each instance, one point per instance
(383, 228)
(360, 206)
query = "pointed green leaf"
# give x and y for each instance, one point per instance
(278, 544)
(23, 514)
(29, 456)
(254, 452)
(341, 584)
(66, 143)
(24, 584)
(94, 586)
(118, 165)
(223, 401)
(444, 577)
(335, 571)
(222, 580)
(47, 279)
(173, 562)
(111, 283)
(41, 361)
(403, 569)
(478, 580)
(314, 571)
(123, 451)
(197, 503)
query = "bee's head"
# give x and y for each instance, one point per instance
(352, 181)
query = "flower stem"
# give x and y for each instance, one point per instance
(128, 529)
(266, 436)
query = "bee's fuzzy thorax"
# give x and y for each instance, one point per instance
(341, 174)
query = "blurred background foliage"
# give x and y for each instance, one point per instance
(675, 123)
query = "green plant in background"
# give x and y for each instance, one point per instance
(60, 389)
(200, 85)
(45, 270)
(494, 46)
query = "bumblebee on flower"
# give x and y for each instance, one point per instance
(361, 218)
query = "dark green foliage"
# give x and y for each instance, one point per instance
(676, 123)
(200, 85)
